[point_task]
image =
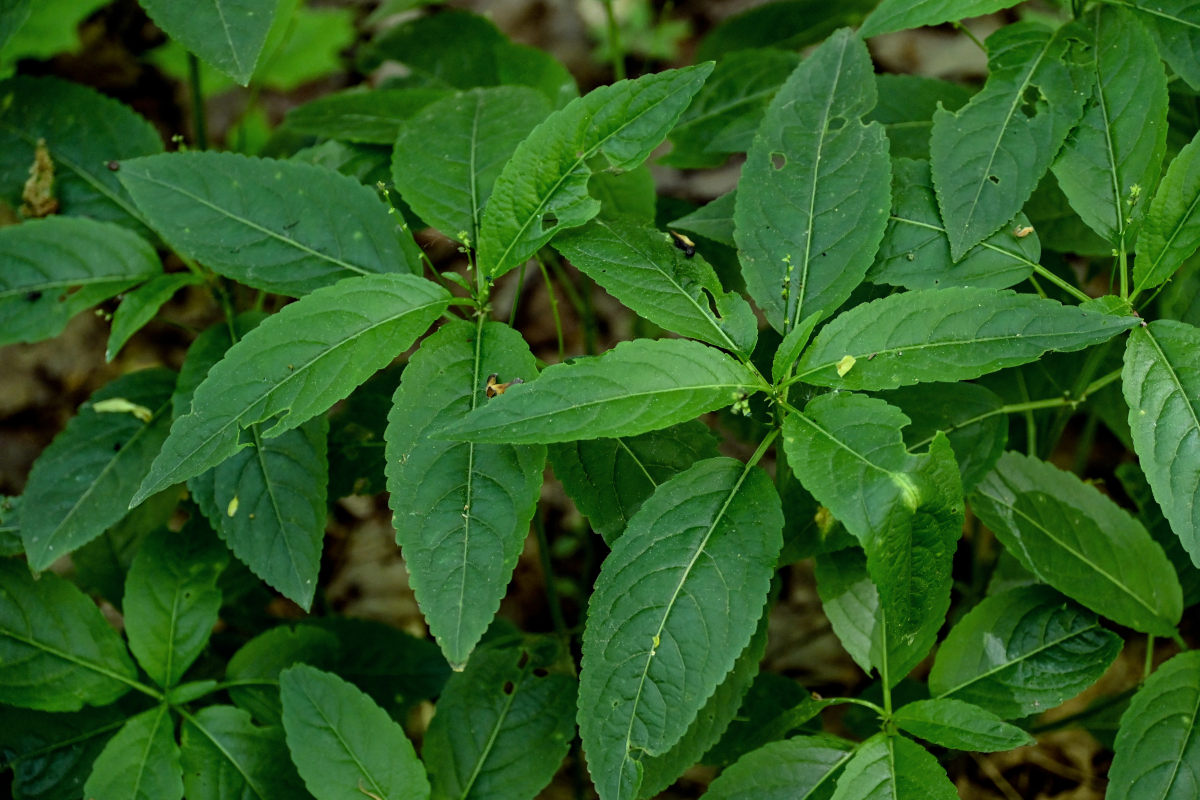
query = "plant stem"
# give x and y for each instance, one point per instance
(965, 31)
(614, 41)
(1148, 666)
(1074, 291)
(558, 331)
(200, 138)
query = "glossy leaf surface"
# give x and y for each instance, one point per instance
(898, 15)
(915, 252)
(81, 481)
(461, 509)
(225, 755)
(676, 601)
(228, 34)
(989, 155)
(1022, 652)
(609, 479)
(641, 267)
(1161, 384)
(1069, 535)
(543, 188)
(503, 725)
(448, 156)
(1156, 747)
(1175, 26)
(56, 267)
(371, 117)
(140, 763)
(341, 741)
(172, 601)
(724, 114)
(636, 387)
(280, 226)
(1171, 232)
(350, 330)
(1120, 141)
(960, 725)
(893, 768)
(946, 335)
(800, 768)
(813, 199)
(56, 649)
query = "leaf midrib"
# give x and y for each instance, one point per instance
(249, 223)
(300, 371)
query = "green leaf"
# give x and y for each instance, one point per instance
(503, 726)
(259, 662)
(813, 199)
(640, 266)
(228, 34)
(1120, 141)
(373, 117)
(448, 156)
(172, 601)
(676, 601)
(906, 107)
(609, 479)
(887, 767)
(280, 226)
(81, 484)
(59, 266)
(970, 416)
(712, 720)
(712, 221)
(13, 14)
(789, 350)
(629, 194)
(801, 768)
(1021, 652)
(636, 387)
(141, 305)
(456, 49)
(1074, 538)
(773, 706)
(57, 651)
(350, 330)
(848, 450)
(1156, 746)
(1137, 488)
(786, 25)
(51, 755)
(65, 115)
(726, 111)
(461, 509)
(394, 667)
(225, 755)
(341, 741)
(52, 27)
(947, 335)
(302, 45)
(543, 188)
(989, 155)
(1171, 232)
(960, 725)
(892, 630)
(899, 15)
(356, 430)
(1161, 383)
(141, 761)
(1175, 26)
(268, 503)
(915, 252)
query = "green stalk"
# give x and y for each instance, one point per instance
(616, 54)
